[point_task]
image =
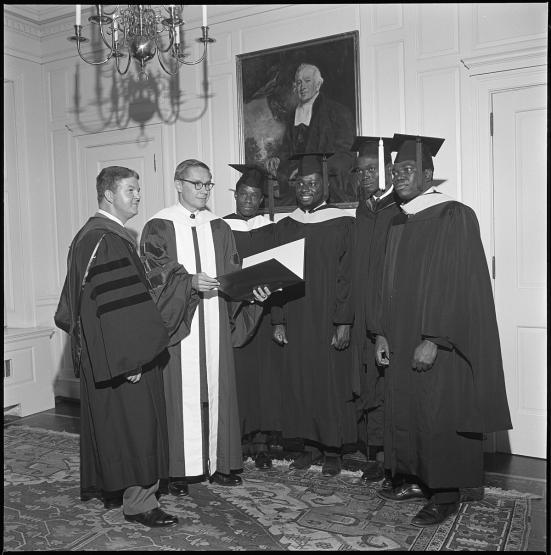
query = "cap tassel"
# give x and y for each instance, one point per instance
(325, 177)
(382, 176)
(419, 163)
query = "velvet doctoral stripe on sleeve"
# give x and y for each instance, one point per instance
(170, 282)
(121, 325)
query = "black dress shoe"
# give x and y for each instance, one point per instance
(405, 492)
(263, 460)
(112, 502)
(225, 479)
(373, 471)
(155, 518)
(387, 484)
(302, 462)
(86, 495)
(331, 466)
(178, 487)
(433, 513)
(112, 499)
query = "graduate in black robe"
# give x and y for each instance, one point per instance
(376, 207)
(437, 332)
(257, 362)
(314, 323)
(118, 342)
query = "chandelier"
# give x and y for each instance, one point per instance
(139, 32)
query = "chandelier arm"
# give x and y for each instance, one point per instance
(163, 65)
(183, 61)
(127, 64)
(103, 37)
(157, 42)
(93, 63)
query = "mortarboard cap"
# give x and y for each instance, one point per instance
(314, 162)
(406, 146)
(369, 146)
(252, 176)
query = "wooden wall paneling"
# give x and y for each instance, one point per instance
(437, 30)
(18, 240)
(297, 24)
(439, 111)
(223, 135)
(505, 24)
(385, 17)
(388, 80)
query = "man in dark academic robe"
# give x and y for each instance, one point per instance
(436, 330)
(118, 341)
(203, 422)
(317, 124)
(257, 362)
(314, 327)
(376, 208)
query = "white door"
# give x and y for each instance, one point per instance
(129, 148)
(520, 215)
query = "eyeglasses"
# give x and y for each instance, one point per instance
(198, 184)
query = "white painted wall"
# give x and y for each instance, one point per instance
(412, 80)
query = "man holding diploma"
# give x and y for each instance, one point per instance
(313, 323)
(202, 415)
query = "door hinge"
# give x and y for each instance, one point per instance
(493, 267)
(154, 163)
(491, 124)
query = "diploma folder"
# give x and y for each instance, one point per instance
(277, 268)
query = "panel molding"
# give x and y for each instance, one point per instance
(420, 35)
(376, 15)
(505, 61)
(383, 97)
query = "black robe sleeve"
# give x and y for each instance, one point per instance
(244, 317)
(170, 282)
(121, 326)
(459, 311)
(344, 308)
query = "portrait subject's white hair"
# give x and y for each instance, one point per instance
(315, 69)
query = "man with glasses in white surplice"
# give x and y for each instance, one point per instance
(202, 416)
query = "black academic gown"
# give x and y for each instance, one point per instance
(436, 286)
(200, 391)
(370, 232)
(257, 362)
(116, 330)
(317, 380)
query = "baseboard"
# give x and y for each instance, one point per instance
(67, 387)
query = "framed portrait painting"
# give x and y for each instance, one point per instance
(301, 98)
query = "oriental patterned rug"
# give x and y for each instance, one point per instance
(274, 509)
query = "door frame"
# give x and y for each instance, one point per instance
(477, 152)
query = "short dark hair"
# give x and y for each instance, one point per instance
(182, 167)
(109, 177)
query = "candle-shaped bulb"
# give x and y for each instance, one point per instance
(177, 34)
(77, 14)
(204, 15)
(382, 173)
